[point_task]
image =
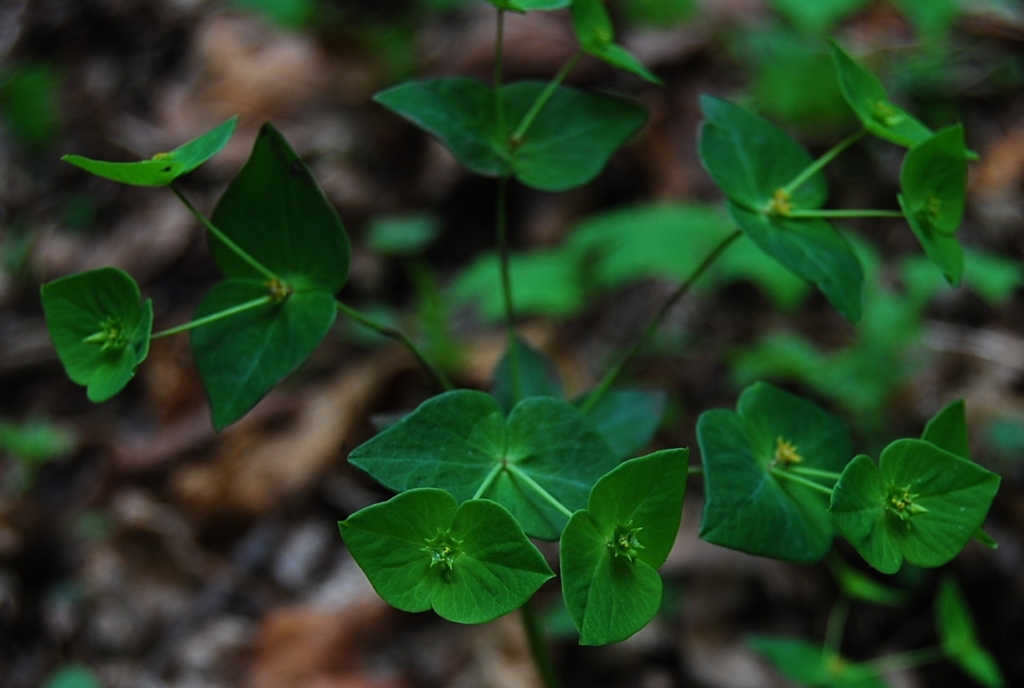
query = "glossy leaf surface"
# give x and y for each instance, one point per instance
(960, 639)
(100, 328)
(596, 35)
(748, 506)
(610, 552)
(920, 503)
(567, 145)
(162, 168)
(242, 357)
(471, 563)
(460, 442)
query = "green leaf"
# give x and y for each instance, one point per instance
(162, 168)
(527, 5)
(994, 278)
(808, 664)
(538, 374)
(610, 552)
(100, 328)
(751, 159)
(857, 586)
(817, 17)
(459, 442)
(948, 430)
(596, 35)
(567, 145)
(627, 418)
(288, 14)
(813, 249)
(30, 102)
(748, 506)
(870, 102)
(276, 212)
(920, 503)
(421, 550)
(543, 283)
(242, 357)
(35, 442)
(402, 236)
(73, 676)
(943, 250)
(959, 638)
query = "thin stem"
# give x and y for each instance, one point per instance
(836, 624)
(238, 250)
(815, 473)
(214, 317)
(839, 214)
(821, 162)
(902, 661)
(695, 470)
(538, 648)
(396, 334)
(499, 56)
(488, 480)
(613, 373)
(783, 473)
(543, 98)
(518, 472)
(506, 289)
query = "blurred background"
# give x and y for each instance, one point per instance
(140, 549)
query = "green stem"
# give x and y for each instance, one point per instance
(506, 289)
(499, 56)
(821, 162)
(214, 317)
(538, 648)
(518, 472)
(902, 661)
(238, 250)
(836, 624)
(815, 473)
(606, 382)
(543, 98)
(695, 470)
(783, 473)
(398, 335)
(839, 214)
(488, 480)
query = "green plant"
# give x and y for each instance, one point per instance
(479, 475)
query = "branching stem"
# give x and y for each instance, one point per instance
(491, 477)
(506, 290)
(543, 98)
(840, 214)
(214, 317)
(786, 475)
(821, 162)
(519, 473)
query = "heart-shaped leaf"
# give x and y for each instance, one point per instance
(242, 357)
(752, 504)
(809, 665)
(527, 5)
(627, 418)
(566, 146)
(458, 441)
(421, 550)
(960, 639)
(162, 168)
(538, 375)
(948, 429)
(870, 102)
(611, 552)
(921, 503)
(596, 35)
(100, 328)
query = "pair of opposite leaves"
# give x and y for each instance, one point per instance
(275, 212)
(941, 496)
(753, 161)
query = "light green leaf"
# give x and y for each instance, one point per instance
(539, 376)
(421, 550)
(567, 145)
(627, 418)
(807, 664)
(749, 506)
(920, 503)
(34, 442)
(459, 442)
(402, 236)
(242, 357)
(858, 586)
(543, 283)
(991, 276)
(817, 17)
(596, 35)
(960, 639)
(948, 430)
(100, 328)
(162, 168)
(73, 676)
(610, 552)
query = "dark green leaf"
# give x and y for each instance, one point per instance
(421, 549)
(162, 168)
(288, 14)
(921, 503)
(596, 35)
(943, 250)
(808, 664)
(959, 638)
(817, 17)
(100, 328)
(538, 375)
(993, 277)
(869, 100)
(567, 145)
(814, 250)
(627, 418)
(276, 212)
(30, 102)
(402, 236)
(948, 430)
(459, 442)
(748, 506)
(242, 357)
(610, 552)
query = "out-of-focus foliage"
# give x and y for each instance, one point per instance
(30, 103)
(288, 14)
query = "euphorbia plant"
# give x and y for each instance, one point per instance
(478, 475)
